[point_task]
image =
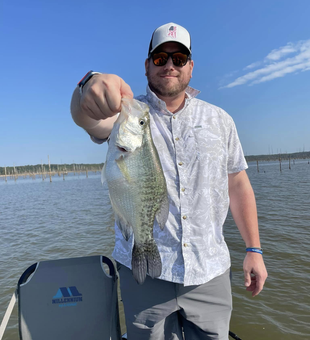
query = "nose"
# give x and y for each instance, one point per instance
(169, 64)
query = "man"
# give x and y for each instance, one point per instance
(204, 168)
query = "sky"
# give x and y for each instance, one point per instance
(251, 58)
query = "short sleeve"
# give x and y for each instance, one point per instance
(236, 161)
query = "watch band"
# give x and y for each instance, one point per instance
(85, 79)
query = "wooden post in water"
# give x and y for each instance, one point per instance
(64, 172)
(42, 170)
(49, 168)
(86, 173)
(15, 174)
(280, 164)
(257, 166)
(5, 173)
(289, 162)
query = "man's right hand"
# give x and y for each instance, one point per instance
(102, 94)
(100, 101)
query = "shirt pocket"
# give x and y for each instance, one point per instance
(209, 143)
(191, 143)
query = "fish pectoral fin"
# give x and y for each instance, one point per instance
(123, 168)
(103, 176)
(124, 227)
(163, 212)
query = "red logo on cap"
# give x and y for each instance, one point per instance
(172, 32)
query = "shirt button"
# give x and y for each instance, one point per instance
(183, 189)
(177, 138)
(185, 244)
(180, 163)
(173, 117)
(184, 217)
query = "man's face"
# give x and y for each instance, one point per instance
(168, 80)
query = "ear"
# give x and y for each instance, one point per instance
(146, 65)
(191, 67)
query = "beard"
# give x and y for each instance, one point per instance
(164, 88)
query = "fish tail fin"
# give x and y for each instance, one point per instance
(139, 264)
(154, 265)
(146, 259)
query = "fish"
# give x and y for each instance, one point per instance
(137, 186)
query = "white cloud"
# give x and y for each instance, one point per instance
(276, 66)
(282, 51)
(253, 65)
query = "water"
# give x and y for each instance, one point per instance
(282, 310)
(40, 220)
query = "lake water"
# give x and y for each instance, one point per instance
(40, 220)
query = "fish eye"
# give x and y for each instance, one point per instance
(141, 122)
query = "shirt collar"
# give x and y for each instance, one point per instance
(159, 104)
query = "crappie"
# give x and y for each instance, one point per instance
(137, 186)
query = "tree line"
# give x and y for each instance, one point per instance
(39, 168)
(276, 157)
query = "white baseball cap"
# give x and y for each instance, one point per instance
(170, 33)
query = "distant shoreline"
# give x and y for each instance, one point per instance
(46, 170)
(56, 168)
(276, 157)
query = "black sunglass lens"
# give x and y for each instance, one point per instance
(179, 59)
(160, 59)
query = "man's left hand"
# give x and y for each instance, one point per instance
(255, 273)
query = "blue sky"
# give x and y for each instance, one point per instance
(252, 58)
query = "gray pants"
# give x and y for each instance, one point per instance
(161, 310)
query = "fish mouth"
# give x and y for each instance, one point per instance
(121, 149)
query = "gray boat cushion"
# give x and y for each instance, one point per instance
(69, 299)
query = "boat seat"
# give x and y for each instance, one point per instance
(69, 299)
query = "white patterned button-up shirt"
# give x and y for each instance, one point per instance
(198, 147)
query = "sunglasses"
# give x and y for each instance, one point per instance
(178, 58)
